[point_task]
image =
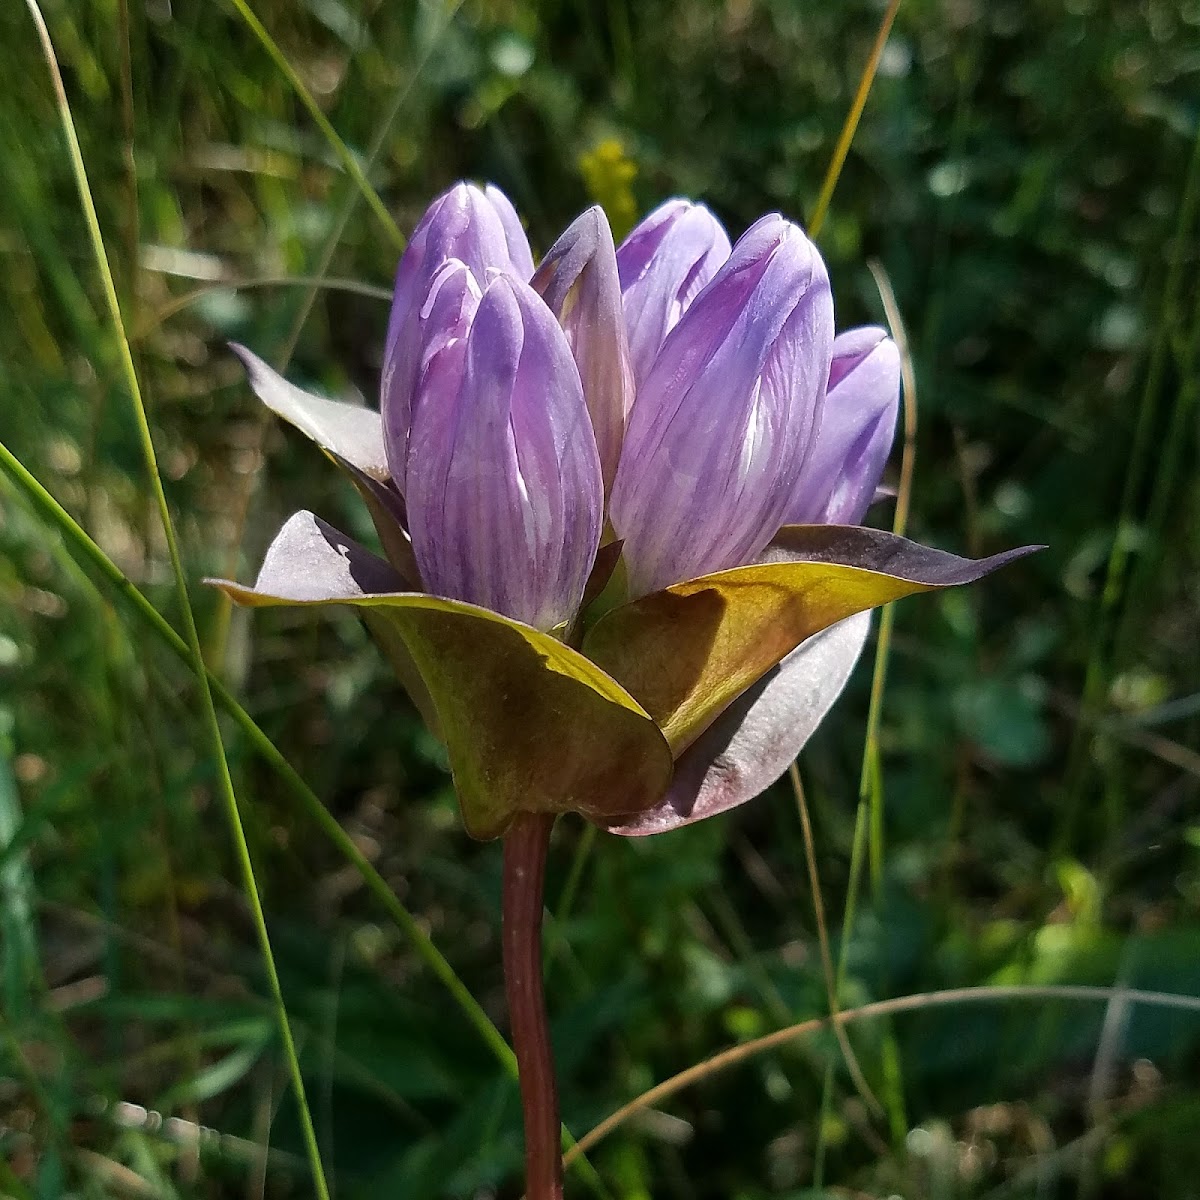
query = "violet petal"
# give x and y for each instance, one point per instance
(664, 263)
(858, 425)
(503, 486)
(727, 413)
(514, 232)
(578, 280)
(465, 224)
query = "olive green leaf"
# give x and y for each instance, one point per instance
(530, 725)
(752, 742)
(686, 652)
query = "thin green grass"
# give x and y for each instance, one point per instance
(344, 154)
(208, 709)
(43, 503)
(1100, 659)
(870, 766)
(1181, 335)
(846, 137)
(867, 847)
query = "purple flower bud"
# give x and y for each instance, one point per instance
(664, 263)
(858, 423)
(578, 280)
(482, 231)
(731, 404)
(503, 483)
(514, 232)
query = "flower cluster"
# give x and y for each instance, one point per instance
(680, 378)
(620, 496)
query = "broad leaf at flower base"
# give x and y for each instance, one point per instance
(685, 652)
(530, 724)
(353, 437)
(752, 742)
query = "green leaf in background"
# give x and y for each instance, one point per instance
(1004, 718)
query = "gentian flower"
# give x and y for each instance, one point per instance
(619, 499)
(502, 479)
(606, 493)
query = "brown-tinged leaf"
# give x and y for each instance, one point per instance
(686, 652)
(752, 742)
(530, 724)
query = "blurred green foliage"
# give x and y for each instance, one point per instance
(1022, 175)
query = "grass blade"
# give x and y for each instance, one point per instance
(1140, 454)
(851, 124)
(735, 1055)
(339, 147)
(208, 709)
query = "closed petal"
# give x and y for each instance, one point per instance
(514, 232)
(578, 280)
(462, 224)
(663, 264)
(730, 407)
(504, 491)
(858, 425)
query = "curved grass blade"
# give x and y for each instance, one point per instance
(41, 501)
(319, 283)
(1000, 994)
(208, 709)
(339, 147)
(850, 127)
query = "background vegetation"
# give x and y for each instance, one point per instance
(1027, 174)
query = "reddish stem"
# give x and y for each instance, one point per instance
(525, 847)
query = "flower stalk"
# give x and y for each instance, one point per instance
(525, 847)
